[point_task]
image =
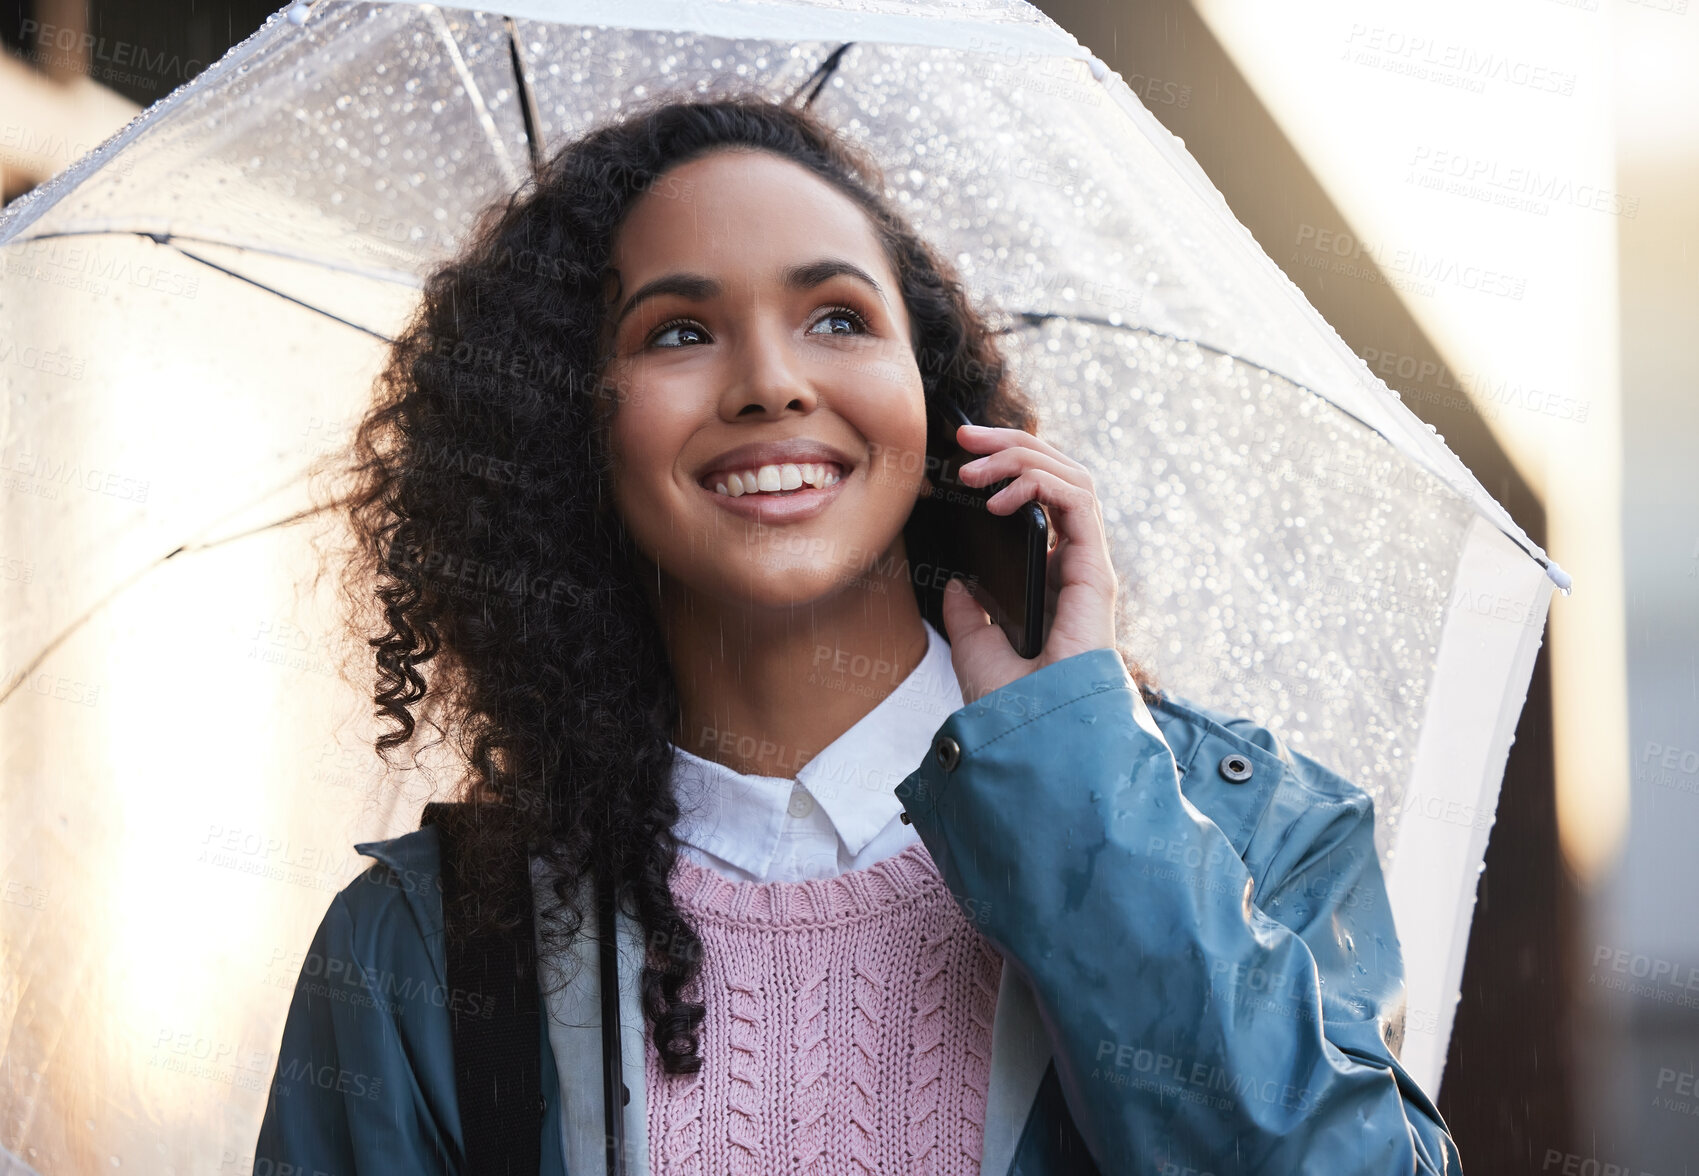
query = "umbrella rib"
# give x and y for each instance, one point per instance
(393, 277)
(824, 72)
(527, 100)
(1033, 318)
(164, 239)
(171, 239)
(69, 630)
(473, 95)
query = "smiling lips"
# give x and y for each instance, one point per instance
(776, 479)
(778, 493)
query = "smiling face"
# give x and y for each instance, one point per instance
(760, 343)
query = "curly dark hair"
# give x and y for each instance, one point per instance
(483, 534)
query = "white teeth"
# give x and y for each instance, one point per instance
(774, 478)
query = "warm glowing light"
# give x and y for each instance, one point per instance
(1471, 150)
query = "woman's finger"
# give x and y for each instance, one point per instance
(988, 438)
(1074, 512)
(1011, 462)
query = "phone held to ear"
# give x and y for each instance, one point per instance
(1001, 557)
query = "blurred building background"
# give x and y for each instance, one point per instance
(1498, 208)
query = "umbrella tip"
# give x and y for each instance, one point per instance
(1558, 575)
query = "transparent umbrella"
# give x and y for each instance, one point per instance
(195, 310)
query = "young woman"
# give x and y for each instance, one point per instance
(637, 491)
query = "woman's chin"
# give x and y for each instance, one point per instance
(793, 583)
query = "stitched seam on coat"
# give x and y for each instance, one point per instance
(1052, 710)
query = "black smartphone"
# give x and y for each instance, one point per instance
(1001, 557)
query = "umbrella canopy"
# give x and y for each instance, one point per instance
(196, 309)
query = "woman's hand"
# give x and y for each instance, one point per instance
(1078, 574)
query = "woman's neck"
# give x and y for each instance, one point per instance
(763, 691)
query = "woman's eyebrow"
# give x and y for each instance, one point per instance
(810, 274)
(700, 287)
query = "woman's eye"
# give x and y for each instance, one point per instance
(680, 327)
(842, 314)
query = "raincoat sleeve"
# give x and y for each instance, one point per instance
(1204, 1017)
(345, 1099)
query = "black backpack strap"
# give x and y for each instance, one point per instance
(613, 1078)
(496, 1013)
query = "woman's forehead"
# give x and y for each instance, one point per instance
(739, 210)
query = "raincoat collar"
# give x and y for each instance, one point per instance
(415, 859)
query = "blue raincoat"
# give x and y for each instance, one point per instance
(1201, 973)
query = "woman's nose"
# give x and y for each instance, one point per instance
(767, 376)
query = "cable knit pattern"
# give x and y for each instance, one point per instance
(848, 1028)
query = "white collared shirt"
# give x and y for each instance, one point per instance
(840, 812)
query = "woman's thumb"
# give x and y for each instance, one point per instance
(962, 613)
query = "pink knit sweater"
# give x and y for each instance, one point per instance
(848, 1028)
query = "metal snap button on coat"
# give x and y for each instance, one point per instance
(1235, 767)
(949, 753)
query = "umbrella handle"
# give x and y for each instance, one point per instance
(614, 1092)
